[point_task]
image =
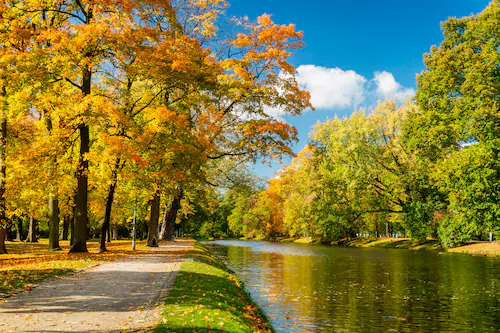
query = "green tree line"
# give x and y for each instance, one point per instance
(427, 168)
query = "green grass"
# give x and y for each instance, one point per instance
(393, 243)
(489, 249)
(304, 240)
(208, 298)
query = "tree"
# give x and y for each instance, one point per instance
(457, 127)
(298, 186)
(228, 118)
(373, 169)
(3, 142)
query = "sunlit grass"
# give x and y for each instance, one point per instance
(207, 298)
(490, 249)
(28, 263)
(394, 243)
(307, 240)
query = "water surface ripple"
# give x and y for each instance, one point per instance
(314, 288)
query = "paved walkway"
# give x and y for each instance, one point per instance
(113, 297)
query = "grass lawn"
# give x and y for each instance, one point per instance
(207, 298)
(490, 249)
(394, 243)
(27, 263)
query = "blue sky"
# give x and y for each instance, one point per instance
(357, 52)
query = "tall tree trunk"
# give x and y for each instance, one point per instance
(80, 227)
(115, 230)
(65, 228)
(163, 227)
(72, 226)
(53, 204)
(153, 221)
(8, 231)
(19, 231)
(109, 234)
(3, 143)
(109, 205)
(54, 223)
(32, 231)
(172, 215)
(81, 219)
(3, 249)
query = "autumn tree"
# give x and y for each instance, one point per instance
(253, 75)
(3, 143)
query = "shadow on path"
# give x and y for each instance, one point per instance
(111, 297)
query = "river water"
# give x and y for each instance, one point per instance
(315, 288)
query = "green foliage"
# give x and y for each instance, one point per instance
(417, 215)
(454, 231)
(456, 130)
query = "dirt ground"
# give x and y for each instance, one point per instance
(119, 296)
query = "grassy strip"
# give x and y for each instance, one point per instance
(206, 297)
(28, 263)
(393, 243)
(491, 249)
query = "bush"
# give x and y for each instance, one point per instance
(454, 231)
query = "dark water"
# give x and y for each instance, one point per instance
(309, 288)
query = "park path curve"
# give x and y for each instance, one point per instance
(119, 296)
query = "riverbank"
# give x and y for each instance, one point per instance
(490, 249)
(392, 243)
(207, 297)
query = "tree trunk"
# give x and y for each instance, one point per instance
(153, 221)
(81, 219)
(109, 205)
(32, 231)
(80, 227)
(115, 230)
(109, 234)
(387, 234)
(3, 250)
(172, 216)
(163, 228)
(8, 231)
(53, 205)
(54, 223)
(65, 229)
(72, 226)
(3, 143)
(19, 231)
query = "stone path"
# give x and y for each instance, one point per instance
(119, 296)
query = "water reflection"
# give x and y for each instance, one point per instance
(308, 288)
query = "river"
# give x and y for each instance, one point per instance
(316, 288)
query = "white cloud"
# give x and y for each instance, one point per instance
(388, 88)
(337, 89)
(332, 88)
